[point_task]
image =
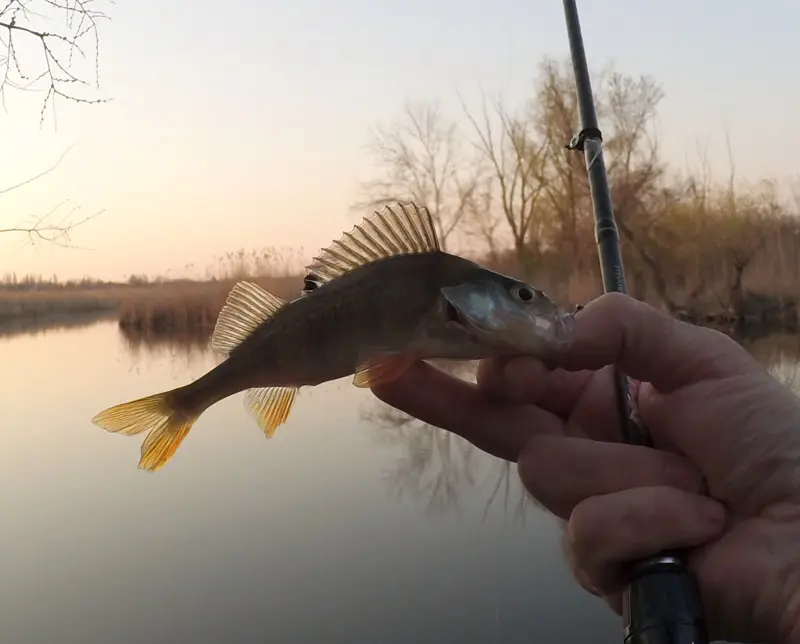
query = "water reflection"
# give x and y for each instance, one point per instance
(42, 324)
(192, 348)
(246, 540)
(439, 468)
(242, 539)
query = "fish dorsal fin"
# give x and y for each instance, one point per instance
(397, 229)
(247, 306)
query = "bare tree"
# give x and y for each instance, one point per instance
(421, 159)
(636, 172)
(627, 109)
(746, 226)
(517, 160)
(527, 198)
(555, 115)
(481, 221)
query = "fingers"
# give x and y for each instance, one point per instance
(607, 532)
(561, 472)
(442, 400)
(525, 381)
(583, 398)
(650, 345)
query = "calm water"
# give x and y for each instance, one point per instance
(346, 527)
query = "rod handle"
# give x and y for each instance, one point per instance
(662, 604)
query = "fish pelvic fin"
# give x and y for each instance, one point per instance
(270, 406)
(397, 229)
(246, 308)
(155, 414)
(379, 370)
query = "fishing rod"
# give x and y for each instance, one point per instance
(661, 604)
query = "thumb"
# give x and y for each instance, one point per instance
(649, 345)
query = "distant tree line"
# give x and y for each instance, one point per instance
(500, 184)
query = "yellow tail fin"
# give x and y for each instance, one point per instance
(167, 426)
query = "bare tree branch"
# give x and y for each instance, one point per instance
(517, 161)
(46, 228)
(25, 182)
(40, 41)
(22, 22)
(420, 159)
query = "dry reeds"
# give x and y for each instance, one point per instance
(50, 303)
(188, 308)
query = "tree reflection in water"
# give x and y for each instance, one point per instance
(192, 348)
(434, 465)
(438, 467)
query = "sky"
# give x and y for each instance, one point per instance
(245, 124)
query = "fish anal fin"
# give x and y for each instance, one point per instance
(378, 370)
(270, 406)
(396, 229)
(246, 307)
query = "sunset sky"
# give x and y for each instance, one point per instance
(244, 124)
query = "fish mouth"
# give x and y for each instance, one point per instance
(565, 328)
(452, 314)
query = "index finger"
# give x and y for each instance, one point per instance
(649, 345)
(442, 400)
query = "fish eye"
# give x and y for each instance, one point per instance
(524, 292)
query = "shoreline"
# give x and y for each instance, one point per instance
(190, 308)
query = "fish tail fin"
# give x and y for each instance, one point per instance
(157, 414)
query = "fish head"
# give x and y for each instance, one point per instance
(507, 315)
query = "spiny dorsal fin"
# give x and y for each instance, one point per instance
(397, 229)
(247, 306)
(270, 406)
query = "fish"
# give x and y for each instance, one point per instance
(375, 301)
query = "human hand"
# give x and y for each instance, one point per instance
(722, 424)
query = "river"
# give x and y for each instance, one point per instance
(345, 527)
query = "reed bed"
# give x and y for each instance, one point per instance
(188, 309)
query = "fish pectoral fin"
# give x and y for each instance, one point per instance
(270, 406)
(155, 414)
(246, 307)
(379, 370)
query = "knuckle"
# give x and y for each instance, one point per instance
(584, 529)
(612, 304)
(615, 299)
